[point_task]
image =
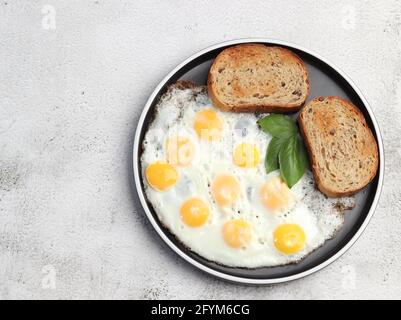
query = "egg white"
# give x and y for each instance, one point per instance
(310, 209)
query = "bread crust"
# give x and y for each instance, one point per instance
(257, 108)
(327, 190)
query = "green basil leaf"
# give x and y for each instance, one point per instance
(293, 161)
(273, 150)
(278, 125)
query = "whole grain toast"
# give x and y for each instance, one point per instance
(342, 149)
(258, 78)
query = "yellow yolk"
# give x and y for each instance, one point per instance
(246, 155)
(180, 151)
(275, 194)
(237, 233)
(289, 238)
(225, 190)
(161, 175)
(194, 212)
(208, 125)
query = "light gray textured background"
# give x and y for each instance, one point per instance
(70, 97)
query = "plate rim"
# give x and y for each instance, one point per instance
(219, 274)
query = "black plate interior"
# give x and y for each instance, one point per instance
(324, 81)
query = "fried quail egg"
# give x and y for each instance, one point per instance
(204, 175)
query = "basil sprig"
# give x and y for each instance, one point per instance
(286, 150)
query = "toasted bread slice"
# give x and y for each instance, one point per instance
(342, 149)
(258, 78)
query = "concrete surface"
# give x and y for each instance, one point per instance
(74, 76)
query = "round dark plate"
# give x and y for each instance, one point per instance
(325, 80)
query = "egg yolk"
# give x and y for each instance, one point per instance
(237, 233)
(275, 194)
(180, 151)
(161, 175)
(194, 212)
(289, 238)
(208, 125)
(246, 155)
(225, 189)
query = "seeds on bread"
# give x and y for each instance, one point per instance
(258, 78)
(342, 149)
